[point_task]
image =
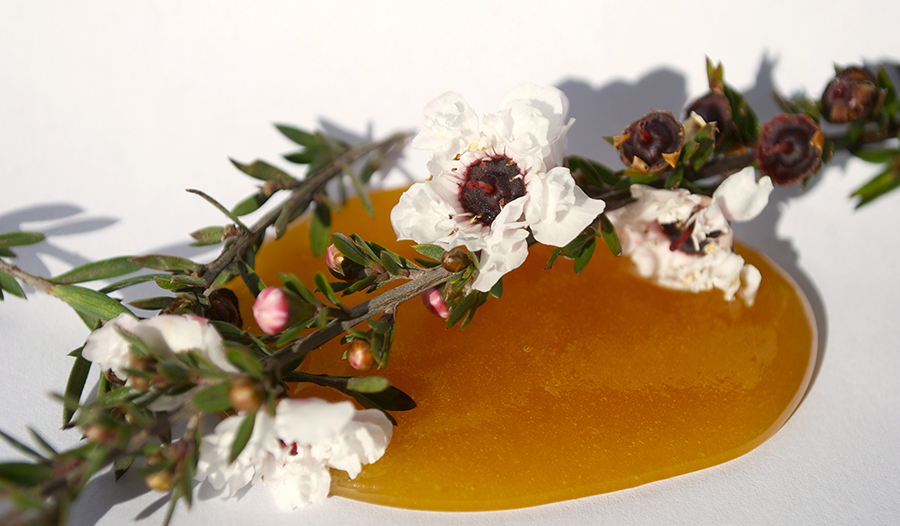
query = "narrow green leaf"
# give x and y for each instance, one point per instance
(391, 399)
(174, 373)
(248, 205)
(21, 447)
(301, 137)
(42, 442)
(674, 178)
(584, 256)
(608, 231)
(226, 330)
(244, 360)
(368, 384)
(351, 250)
(360, 190)
(261, 170)
(252, 280)
(242, 436)
(6, 253)
(457, 313)
(553, 256)
(319, 229)
(876, 155)
(430, 251)
(90, 302)
(24, 474)
(211, 235)
(306, 156)
(366, 247)
(284, 217)
(9, 284)
(75, 386)
(18, 239)
(325, 288)
(167, 263)
(116, 397)
(155, 303)
(389, 264)
(497, 289)
(212, 399)
(105, 269)
(120, 467)
(178, 282)
(878, 186)
(295, 285)
(130, 281)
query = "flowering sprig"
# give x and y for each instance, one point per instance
(499, 183)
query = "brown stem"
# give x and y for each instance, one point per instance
(39, 284)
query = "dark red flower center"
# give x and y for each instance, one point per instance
(490, 185)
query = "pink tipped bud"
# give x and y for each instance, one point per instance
(360, 355)
(277, 308)
(333, 258)
(435, 303)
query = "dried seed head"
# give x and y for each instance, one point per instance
(850, 96)
(714, 107)
(652, 142)
(223, 306)
(246, 394)
(789, 148)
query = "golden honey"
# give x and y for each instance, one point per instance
(567, 386)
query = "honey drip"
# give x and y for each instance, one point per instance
(567, 386)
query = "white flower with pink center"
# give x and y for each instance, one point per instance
(292, 452)
(495, 180)
(683, 241)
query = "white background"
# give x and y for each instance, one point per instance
(110, 109)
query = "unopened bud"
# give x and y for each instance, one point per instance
(851, 95)
(342, 267)
(435, 303)
(652, 142)
(99, 434)
(455, 260)
(160, 481)
(713, 107)
(359, 355)
(277, 308)
(246, 393)
(789, 148)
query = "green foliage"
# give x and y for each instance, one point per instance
(105, 269)
(89, 302)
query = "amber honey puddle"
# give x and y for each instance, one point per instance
(568, 386)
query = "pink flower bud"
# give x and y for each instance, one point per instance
(334, 259)
(435, 303)
(277, 308)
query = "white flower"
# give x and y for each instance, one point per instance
(683, 241)
(292, 452)
(166, 335)
(491, 183)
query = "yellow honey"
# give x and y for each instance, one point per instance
(567, 386)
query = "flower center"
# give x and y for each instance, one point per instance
(490, 185)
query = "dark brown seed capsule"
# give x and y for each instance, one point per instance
(652, 142)
(789, 148)
(850, 96)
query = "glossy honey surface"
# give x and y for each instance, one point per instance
(567, 386)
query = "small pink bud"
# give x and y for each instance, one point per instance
(277, 308)
(435, 303)
(333, 258)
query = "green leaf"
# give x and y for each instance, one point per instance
(262, 170)
(301, 137)
(325, 288)
(244, 360)
(674, 178)
(167, 263)
(608, 231)
(248, 205)
(891, 104)
(75, 386)
(121, 466)
(458, 311)
(226, 330)
(212, 399)
(90, 302)
(584, 256)
(252, 280)
(155, 303)
(430, 251)
(284, 217)
(174, 373)
(319, 229)
(391, 399)
(116, 397)
(360, 190)
(497, 289)
(295, 285)
(211, 235)
(365, 246)
(389, 263)
(9, 284)
(105, 269)
(130, 281)
(6, 253)
(42, 443)
(18, 239)
(878, 186)
(178, 282)
(21, 447)
(368, 384)
(879, 156)
(24, 474)
(351, 250)
(242, 436)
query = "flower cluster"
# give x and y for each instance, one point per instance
(292, 451)
(683, 241)
(166, 335)
(493, 184)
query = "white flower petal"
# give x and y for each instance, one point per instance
(448, 125)
(741, 197)
(750, 280)
(107, 348)
(312, 421)
(557, 209)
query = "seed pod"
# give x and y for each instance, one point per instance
(223, 306)
(850, 96)
(245, 393)
(789, 148)
(455, 260)
(652, 142)
(714, 107)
